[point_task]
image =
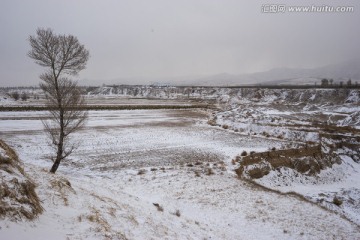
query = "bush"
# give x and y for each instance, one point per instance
(337, 201)
(212, 122)
(225, 126)
(209, 171)
(24, 96)
(177, 213)
(15, 95)
(244, 153)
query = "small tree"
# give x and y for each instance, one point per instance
(15, 95)
(63, 56)
(324, 82)
(24, 96)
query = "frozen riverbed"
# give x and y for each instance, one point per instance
(113, 140)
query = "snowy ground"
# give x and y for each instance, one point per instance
(129, 160)
(341, 181)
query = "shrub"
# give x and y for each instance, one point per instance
(209, 171)
(15, 95)
(225, 126)
(177, 213)
(212, 122)
(337, 201)
(244, 153)
(24, 96)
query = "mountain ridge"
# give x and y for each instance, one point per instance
(284, 75)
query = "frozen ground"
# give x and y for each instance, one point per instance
(129, 160)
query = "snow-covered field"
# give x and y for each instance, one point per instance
(127, 161)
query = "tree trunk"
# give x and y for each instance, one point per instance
(60, 145)
(55, 166)
(59, 154)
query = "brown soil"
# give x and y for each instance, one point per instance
(307, 160)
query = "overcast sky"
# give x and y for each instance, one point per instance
(174, 38)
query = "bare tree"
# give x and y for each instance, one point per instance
(24, 96)
(63, 56)
(324, 82)
(15, 95)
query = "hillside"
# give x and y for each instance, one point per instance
(18, 199)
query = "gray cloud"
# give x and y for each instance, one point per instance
(162, 38)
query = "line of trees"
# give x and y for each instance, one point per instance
(330, 82)
(16, 96)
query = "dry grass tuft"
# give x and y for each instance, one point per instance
(18, 198)
(212, 122)
(102, 225)
(62, 186)
(209, 171)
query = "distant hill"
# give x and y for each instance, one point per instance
(294, 76)
(338, 72)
